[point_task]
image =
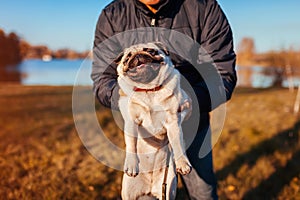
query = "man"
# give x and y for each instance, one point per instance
(204, 22)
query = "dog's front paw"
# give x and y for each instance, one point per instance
(183, 165)
(131, 165)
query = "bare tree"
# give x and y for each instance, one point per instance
(246, 51)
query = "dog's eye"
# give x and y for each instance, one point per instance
(127, 58)
(152, 52)
(125, 61)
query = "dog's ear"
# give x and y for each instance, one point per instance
(162, 47)
(119, 58)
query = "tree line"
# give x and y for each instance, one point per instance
(280, 64)
(13, 50)
(247, 56)
(9, 49)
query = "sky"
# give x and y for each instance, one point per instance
(273, 24)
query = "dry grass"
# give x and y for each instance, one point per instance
(258, 154)
(42, 157)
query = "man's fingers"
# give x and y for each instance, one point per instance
(186, 105)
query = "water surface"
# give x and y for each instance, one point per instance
(70, 72)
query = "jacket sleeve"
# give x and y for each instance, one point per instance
(104, 73)
(217, 41)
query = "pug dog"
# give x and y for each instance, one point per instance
(153, 106)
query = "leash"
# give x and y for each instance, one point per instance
(164, 184)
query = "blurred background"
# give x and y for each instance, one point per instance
(43, 44)
(266, 36)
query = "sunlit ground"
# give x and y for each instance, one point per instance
(42, 157)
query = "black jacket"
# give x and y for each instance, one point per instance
(201, 20)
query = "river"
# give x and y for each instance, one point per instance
(70, 72)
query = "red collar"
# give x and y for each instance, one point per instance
(136, 89)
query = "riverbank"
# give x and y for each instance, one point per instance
(42, 157)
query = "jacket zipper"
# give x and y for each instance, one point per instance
(153, 22)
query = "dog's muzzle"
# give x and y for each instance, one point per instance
(143, 66)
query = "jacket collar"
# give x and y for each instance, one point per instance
(161, 10)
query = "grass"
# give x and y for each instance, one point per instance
(42, 157)
(257, 155)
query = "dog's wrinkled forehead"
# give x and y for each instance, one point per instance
(152, 49)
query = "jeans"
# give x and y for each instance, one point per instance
(201, 182)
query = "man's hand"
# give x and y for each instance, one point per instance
(187, 104)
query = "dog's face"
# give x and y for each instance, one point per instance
(141, 64)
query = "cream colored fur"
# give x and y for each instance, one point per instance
(149, 115)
